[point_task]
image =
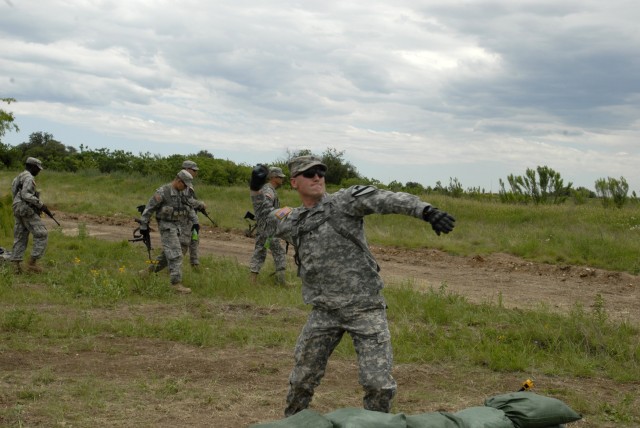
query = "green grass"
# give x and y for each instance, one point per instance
(586, 234)
(91, 290)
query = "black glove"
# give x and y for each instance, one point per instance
(441, 222)
(196, 227)
(258, 177)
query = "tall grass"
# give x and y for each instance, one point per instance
(586, 234)
(430, 327)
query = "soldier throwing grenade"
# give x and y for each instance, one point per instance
(340, 277)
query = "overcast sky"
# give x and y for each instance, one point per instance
(410, 90)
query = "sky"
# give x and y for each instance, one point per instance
(409, 90)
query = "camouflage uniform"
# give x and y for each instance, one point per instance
(262, 237)
(186, 223)
(340, 281)
(26, 213)
(171, 209)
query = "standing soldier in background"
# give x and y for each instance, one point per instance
(264, 241)
(169, 205)
(340, 277)
(191, 241)
(27, 207)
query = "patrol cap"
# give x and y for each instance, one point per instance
(300, 164)
(190, 165)
(186, 178)
(274, 171)
(34, 161)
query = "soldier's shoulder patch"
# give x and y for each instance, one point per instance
(158, 197)
(357, 191)
(282, 212)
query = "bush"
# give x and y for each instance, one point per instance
(612, 190)
(547, 188)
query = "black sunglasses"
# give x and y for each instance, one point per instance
(312, 172)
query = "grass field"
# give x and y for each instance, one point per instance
(91, 291)
(586, 234)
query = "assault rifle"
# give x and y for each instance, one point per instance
(206, 214)
(42, 209)
(137, 236)
(250, 217)
(47, 211)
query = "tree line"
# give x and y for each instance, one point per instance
(542, 185)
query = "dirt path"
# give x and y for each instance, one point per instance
(499, 277)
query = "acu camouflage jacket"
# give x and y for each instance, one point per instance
(334, 261)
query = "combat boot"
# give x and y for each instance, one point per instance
(33, 267)
(254, 278)
(181, 289)
(17, 269)
(280, 278)
(144, 273)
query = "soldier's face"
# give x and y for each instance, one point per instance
(180, 185)
(277, 181)
(312, 188)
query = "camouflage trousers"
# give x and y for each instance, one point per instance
(189, 245)
(260, 253)
(321, 334)
(23, 226)
(171, 251)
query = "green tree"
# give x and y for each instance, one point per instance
(414, 188)
(612, 190)
(547, 186)
(581, 194)
(455, 188)
(338, 170)
(8, 156)
(45, 147)
(7, 119)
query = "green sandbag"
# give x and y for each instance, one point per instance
(306, 418)
(484, 417)
(529, 410)
(360, 418)
(435, 420)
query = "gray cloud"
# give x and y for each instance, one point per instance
(466, 86)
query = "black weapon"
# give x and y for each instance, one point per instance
(138, 236)
(204, 212)
(249, 217)
(47, 211)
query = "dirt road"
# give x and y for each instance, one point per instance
(499, 277)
